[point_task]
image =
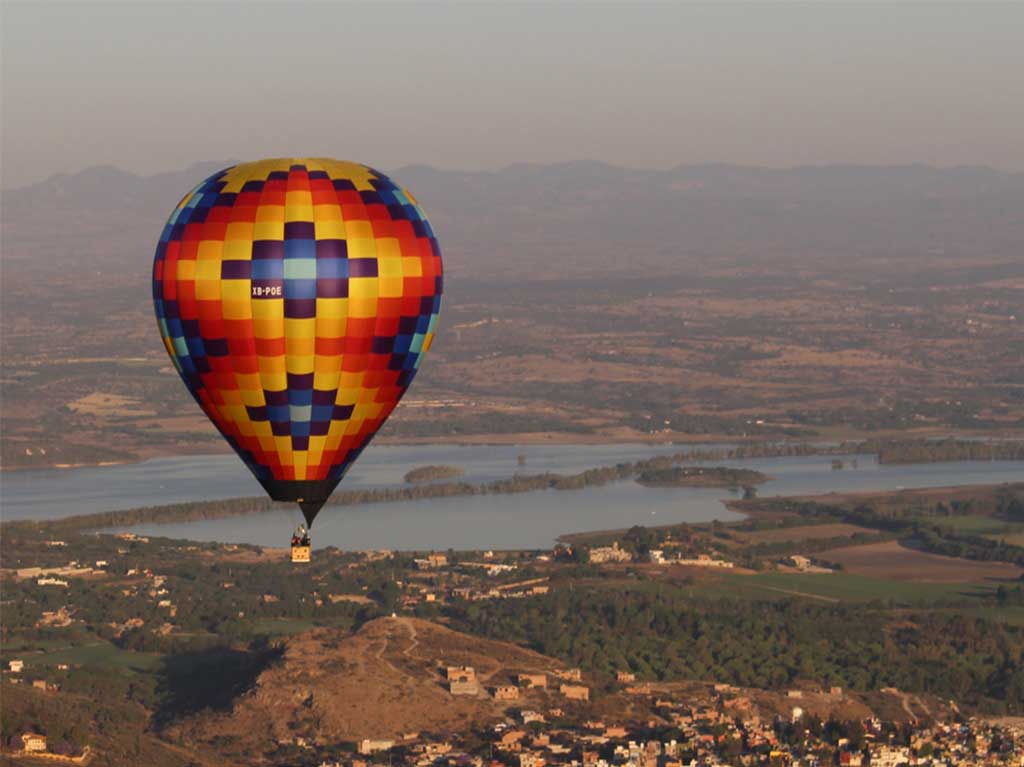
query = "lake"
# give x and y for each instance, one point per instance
(527, 520)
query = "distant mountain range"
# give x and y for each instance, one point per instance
(589, 218)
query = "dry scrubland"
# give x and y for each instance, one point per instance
(582, 303)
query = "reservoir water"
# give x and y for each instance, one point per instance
(527, 520)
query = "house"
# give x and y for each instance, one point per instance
(52, 582)
(370, 746)
(625, 676)
(532, 680)
(570, 675)
(33, 743)
(431, 562)
(612, 553)
(575, 691)
(704, 560)
(505, 692)
(16, 666)
(530, 759)
(509, 741)
(462, 680)
(800, 562)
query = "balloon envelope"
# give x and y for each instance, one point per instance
(296, 298)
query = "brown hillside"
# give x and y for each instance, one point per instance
(385, 680)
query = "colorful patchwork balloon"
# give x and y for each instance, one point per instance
(296, 298)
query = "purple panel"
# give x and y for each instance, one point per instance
(362, 267)
(331, 249)
(268, 249)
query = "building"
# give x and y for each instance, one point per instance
(625, 676)
(33, 743)
(570, 674)
(575, 691)
(530, 681)
(462, 680)
(530, 759)
(370, 745)
(16, 666)
(704, 560)
(431, 562)
(505, 692)
(612, 553)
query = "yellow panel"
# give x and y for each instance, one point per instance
(391, 287)
(329, 230)
(328, 364)
(251, 397)
(412, 267)
(362, 287)
(264, 431)
(274, 365)
(268, 309)
(284, 449)
(316, 448)
(332, 309)
(186, 270)
(348, 387)
(210, 250)
(265, 213)
(236, 310)
(327, 213)
(389, 267)
(297, 197)
(330, 327)
(359, 230)
(299, 328)
(362, 308)
(268, 230)
(249, 382)
(300, 458)
(361, 247)
(208, 290)
(274, 380)
(206, 270)
(272, 328)
(239, 230)
(428, 339)
(299, 364)
(298, 212)
(325, 380)
(237, 250)
(388, 247)
(303, 346)
(235, 290)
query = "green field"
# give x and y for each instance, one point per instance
(974, 524)
(819, 587)
(97, 654)
(847, 587)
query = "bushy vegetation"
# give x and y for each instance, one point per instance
(666, 634)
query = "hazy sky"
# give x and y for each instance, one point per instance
(151, 87)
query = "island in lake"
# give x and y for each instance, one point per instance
(432, 473)
(700, 476)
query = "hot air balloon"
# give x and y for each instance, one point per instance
(296, 299)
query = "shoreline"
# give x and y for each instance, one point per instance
(571, 438)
